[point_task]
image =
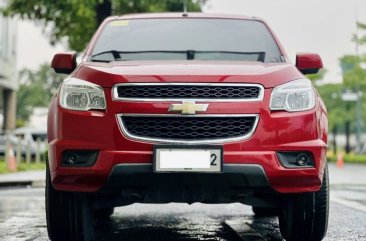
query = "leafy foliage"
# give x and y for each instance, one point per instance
(331, 95)
(36, 89)
(74, 19)
(77, 20)
(361, 40)
(354, 77)
(317, 76)
(349, 158)
(128, 6)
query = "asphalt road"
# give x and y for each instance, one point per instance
(22, 217)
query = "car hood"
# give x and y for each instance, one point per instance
(109, 74)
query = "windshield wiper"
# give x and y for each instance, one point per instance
(101, 60)
(116, 55)
(190, 54)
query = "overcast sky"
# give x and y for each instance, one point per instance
(321, 26)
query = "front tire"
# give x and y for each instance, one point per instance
(304, 217)
(69, 215)
(103, 213)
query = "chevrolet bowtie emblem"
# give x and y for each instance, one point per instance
(188, 107)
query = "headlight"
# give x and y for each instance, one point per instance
(81, 95)
(297, 95)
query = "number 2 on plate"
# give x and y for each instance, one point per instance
(213, 159)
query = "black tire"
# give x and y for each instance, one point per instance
(69, 215)
(103, 213)
(304, 217)
(265, 212)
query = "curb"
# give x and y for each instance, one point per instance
(33, 183)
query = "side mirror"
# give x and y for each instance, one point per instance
(308, 63)
(64, 63)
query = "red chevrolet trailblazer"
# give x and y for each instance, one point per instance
(186, 108)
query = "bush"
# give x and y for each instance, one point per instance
(22, 166)
(348, 158)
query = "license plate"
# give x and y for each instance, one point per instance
(187, 159)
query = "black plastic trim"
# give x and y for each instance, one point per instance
(283, 154)
(89, 158)
(251, 175)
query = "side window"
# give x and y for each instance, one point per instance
(20, 136)
(42, 137)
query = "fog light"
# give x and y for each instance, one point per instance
(72, 159)
(76, 158)
(296, 159)
(302, 159)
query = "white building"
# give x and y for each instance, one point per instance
(8, 73)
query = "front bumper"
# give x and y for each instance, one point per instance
(275, 132)
(110, 168)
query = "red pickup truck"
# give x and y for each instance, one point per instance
(186, 108)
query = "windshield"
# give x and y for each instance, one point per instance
(186, 39)
(41, 136)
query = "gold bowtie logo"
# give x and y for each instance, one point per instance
(188, 108)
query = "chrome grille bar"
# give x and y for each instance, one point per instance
(208, 92)
(136, 135)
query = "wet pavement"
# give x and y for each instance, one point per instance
(22, 217)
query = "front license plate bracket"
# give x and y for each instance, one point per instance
(188, 159)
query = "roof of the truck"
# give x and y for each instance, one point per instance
(182, 15)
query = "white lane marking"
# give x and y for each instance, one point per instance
(243, 230)
(348, 203)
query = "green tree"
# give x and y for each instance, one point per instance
(36, 89)
(339, 112)
(77, 20)
(354, 79)
(332, 97)
(139, 6)
(360, 40)
(354, 76)
(317, 76)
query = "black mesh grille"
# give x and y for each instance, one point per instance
(188, 92)
(188, 128)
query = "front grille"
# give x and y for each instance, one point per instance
(187, 91)
(188, 128)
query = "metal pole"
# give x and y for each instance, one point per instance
(358, 122)
(38, 151)
(335, 140)
(185, 8)
(347, 130)
(19, 152)
(28, 153)
(6, 153)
